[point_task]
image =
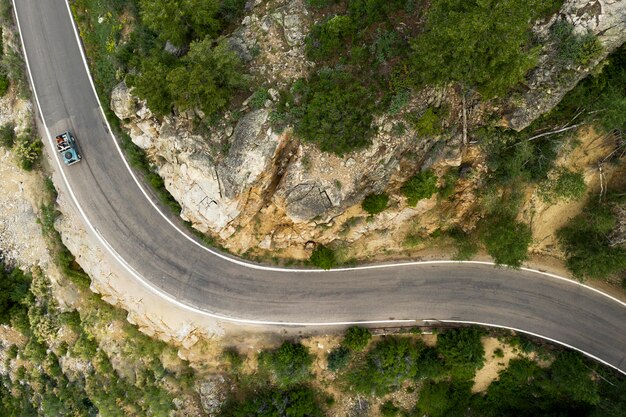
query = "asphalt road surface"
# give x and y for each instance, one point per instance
(114, 204)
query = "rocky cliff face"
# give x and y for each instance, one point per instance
(256, 187)
(550, 81)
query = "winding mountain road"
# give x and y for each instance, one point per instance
(166, 259)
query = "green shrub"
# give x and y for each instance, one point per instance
(389, 409)
(28, 151)
(4, 82)
(323, 257)
(375, 203)
(7, 135)
(299, 401)
(318, 4)
(462, 350)
(328, 38)
(565, 186)
(258, 99)
(357, 338)
(336, 113)
(506, 239)
(14, 288)
(338, 358)
(443, 399)
(449, 180)
(233, 357)
(574, 48)
(290, 363)
(587, 246)
(387, 365)
(466, 246)
(421, 185)
(429, 123)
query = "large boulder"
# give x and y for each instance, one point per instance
(123, 104)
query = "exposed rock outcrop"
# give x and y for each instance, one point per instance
(550, 81)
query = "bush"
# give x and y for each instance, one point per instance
(375, 203)
(4, 82)
(258, 99)
(420, 186)
(429, 123)
(587, 246)
(290, 363)
(338, 358)
(574, 48)
(506, 239)
(357, 338)
(388, 409)
(565, 186)
(445, 398)
(462, 350)
(7, 135)
(14, 288)
(299, 401)
(233, 357)
(466, 246)
(323, 257)
(336, 113)
(28, 152)
(387, 365)
(327, 38)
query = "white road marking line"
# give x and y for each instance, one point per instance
(532, 334)
(198, 310)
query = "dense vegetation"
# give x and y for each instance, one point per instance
(441, 379)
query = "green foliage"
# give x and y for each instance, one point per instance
(151, 82)
(462, 350)
(389, 409)
(565, 186)
(574, 48)
(323, 257)
(375, 203)
(525, 389)
(233, 357)
(299, 401)
(208, 77)
(421, 185)
(318, 4)
(449, 181)
(181, 21)
(327, 38)
(338, 358)
(586, 243)
(466, 245)
(336, 112)
(485, 44)
(445, 398)
(14, 288)
(290, 363)
(4, 82)
(27, 151)
(357, 338)
(387, 365)
(506, 239)
(7, 135)
(429, 123)
(258, 99)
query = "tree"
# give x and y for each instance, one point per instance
(441, 399)
(338, 358)
(181, 21)
(506, 239)
(300, 401)
(336, 112)
(290, 363)
(587, 246)
(208, 77)
(462, 350)
(482, 44)
(14, 287)
(151, 82)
